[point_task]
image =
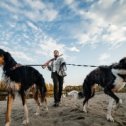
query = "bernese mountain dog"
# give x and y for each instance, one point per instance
(112, 78)
(19, 78)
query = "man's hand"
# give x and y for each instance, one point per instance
(43, 66)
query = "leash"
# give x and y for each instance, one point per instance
(46, 64)
(66, 64)
(82, 65)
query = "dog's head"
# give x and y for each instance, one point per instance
(122, 62)
(2, 56)
(6, 59)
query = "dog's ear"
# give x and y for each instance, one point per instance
(7, 56)
(9, 60)
(2, 52)
(122, 61)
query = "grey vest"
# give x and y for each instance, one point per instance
(60, 67)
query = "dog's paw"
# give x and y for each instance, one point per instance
(110, 118)
(44, 108)
(85, 110)
(25, 122)
(120, 101)
(116, 106)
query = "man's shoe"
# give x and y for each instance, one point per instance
(56, 105)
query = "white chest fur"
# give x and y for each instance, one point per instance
(8, 84)
(119, 82)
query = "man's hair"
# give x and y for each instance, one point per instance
(56, 51)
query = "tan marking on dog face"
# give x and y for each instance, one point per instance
(1, 60)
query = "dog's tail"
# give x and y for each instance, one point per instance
(80, 94)
(88, 89)
(42, 88)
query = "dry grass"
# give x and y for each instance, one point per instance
(49, 90)
(2, 86)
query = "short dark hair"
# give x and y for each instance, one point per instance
(56, 51)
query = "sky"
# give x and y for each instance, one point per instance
(91, 32)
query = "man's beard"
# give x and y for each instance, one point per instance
(56, 57)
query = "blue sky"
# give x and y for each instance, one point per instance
(91, 32)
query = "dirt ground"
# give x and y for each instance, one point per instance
(69, 113)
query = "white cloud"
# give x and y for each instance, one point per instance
(4, 47)
(74, 49)
(30, 24)
(8, 7)
(69, 1)
(17, 54)
(38, 10)
(41, 12)
(106, 22)
(21, 55)
(116, 35)
(83, 38)
(49, 45)
(112, 11)
(103, 58)
(36, 4)
(16, 3)
(105, 3)
(50, 15)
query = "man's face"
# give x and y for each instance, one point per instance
(56, 53)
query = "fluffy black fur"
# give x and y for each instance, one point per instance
(80, 95)
(104, 77)
(24, 75)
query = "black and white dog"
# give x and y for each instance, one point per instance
(21, 78)
(112, 78)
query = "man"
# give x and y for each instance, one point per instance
(57, 66)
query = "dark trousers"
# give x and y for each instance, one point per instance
(58, 86)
